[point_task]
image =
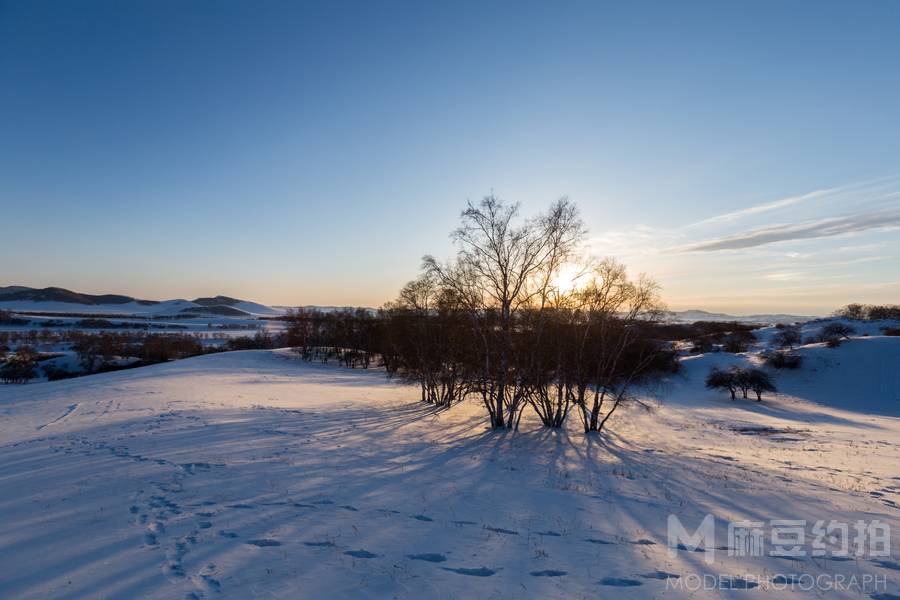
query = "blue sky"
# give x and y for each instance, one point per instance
(745, 154)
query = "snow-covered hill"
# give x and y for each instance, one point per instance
(252, 474)
(59, 300)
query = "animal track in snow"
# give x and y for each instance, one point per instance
(479, 572)
(264, 542)
(432, 557)
(360, 554)
(620, 582)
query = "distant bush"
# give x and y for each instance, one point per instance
(94, 324)
(54, 373)
(702, 344)
(738, 341)
(837, 330)
(833, 334)
(261, 341)
(18, 370)
(894, 331)
(788, 336)
(783, 360)
(7, 318)
(162, 348)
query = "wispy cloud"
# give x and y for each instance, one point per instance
(763, 208)
(873, 192)
(835, 226)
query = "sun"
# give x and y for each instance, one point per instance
(566, 278)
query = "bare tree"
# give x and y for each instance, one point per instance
(837, 330)
(788, 336)
(613, 352)
(718, 379)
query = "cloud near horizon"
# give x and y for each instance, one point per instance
(830, 227)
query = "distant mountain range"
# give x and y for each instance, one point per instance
(55, 294)
(56, 299)
(691, 316)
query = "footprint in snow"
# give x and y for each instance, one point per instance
(548, 533)
(788, 557)
(432, 557)
(227, 534)
(243, 506)
(479, 572)
(323, 502)
(501, 530)
(264, 542)
(422, 518)
(173, 571)
(737, 583)
(349, 507)
(598, 541)
(301, 505)
(209, 583)
(464, 522)
(646, 542)
(325, 544)
(660, 575)
(683, 548)
(156, 527)
(360, 554)
(548, 573)
(884, 596)
(786, 579)
(887, 564)
(620, 582)
(204, 524)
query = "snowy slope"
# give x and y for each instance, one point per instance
(253, 475)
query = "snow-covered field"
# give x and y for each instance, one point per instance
(254, 475)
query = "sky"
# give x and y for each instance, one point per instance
(744, 154)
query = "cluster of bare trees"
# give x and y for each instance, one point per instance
(534, 339)
(352, 337)
(740, 379)
(499, 323)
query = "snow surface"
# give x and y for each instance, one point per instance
(254, 475)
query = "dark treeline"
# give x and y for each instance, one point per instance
(502, 325)
(869, 312)
(99, 352)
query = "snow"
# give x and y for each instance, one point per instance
(255, 475)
